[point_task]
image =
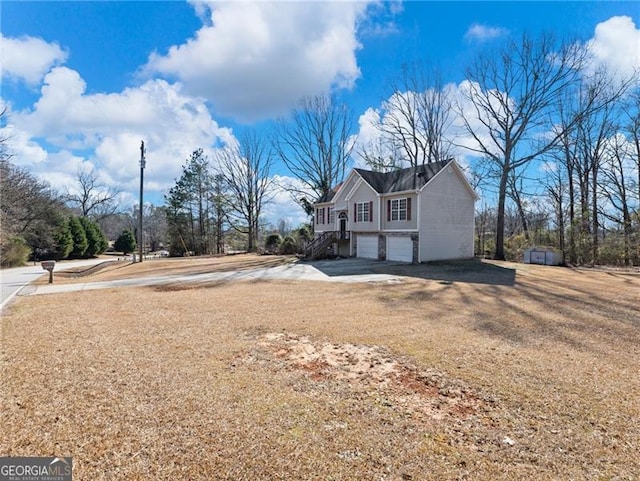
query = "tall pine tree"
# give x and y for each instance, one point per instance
(80, 242)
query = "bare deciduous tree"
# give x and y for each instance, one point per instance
(92, 197)
(29, 209)
(586, 118)
(4, 138)
(511, 93)
(315, 144)
(632, 129)
(417, 116)
(617, 185)
(245, 168)
(380, 155)
(593, 130)
(557, 190)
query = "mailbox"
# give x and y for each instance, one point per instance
(48, 266)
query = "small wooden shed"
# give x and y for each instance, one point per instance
(546, 256)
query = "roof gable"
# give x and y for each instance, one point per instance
(341, 192)
(454, 165)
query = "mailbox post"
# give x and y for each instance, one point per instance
(48, 266)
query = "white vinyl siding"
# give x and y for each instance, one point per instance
(447, 218)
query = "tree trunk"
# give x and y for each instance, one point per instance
(523, 216)
(594, 217)
(572, 214)
(561, 238)
(250, 246)
(626, 233)
(499, 255)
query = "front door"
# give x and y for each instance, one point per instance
(343, 226)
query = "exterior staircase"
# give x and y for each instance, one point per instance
(317, 248)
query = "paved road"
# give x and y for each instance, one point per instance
(14, 279)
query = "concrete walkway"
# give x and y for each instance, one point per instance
(298, 271)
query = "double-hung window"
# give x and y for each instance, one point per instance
(332, 215)
(320, 215)
(398, 209)
(363, 211)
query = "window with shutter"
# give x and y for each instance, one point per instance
(400, 209)
(363, 211)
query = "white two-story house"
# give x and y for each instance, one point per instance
(411, 215)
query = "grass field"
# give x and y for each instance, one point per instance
(474, 371)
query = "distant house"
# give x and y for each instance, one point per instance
(411, 215)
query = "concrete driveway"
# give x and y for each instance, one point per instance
(353, 267)
(340, 270)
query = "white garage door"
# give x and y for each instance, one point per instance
(399, 249)
(367, 246)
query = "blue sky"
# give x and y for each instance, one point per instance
(86, 81)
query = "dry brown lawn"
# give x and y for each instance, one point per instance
(475, 371)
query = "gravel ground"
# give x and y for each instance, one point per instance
(478, 371)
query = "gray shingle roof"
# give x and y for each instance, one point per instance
(396, 181)
(402, 179)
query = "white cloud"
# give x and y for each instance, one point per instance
(481, 33)
(68, 130)
(370, 139)
(106, 130)
(616, 46)
(380, 19)
(258, 59)
(369, 122)
(19, 143)
(28, 59)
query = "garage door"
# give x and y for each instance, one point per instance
(367, 246)
(399, 249)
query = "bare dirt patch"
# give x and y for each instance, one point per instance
(507, 372)
(372, 369)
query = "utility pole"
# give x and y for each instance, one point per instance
(142, 164)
